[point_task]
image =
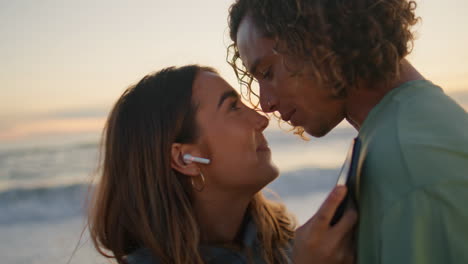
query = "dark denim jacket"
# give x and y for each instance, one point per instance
(216, 254)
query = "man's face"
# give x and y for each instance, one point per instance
(297, 97)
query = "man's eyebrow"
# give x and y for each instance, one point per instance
(226, 95)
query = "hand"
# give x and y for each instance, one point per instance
(316, 242)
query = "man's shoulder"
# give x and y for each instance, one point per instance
(427, 104)
(421, 100)
(430, 122)
(420, 113)
(423, 140)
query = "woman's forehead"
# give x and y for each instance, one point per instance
(208, 89)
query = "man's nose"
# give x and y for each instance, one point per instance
(268, 100)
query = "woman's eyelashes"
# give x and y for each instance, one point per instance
(234, 105)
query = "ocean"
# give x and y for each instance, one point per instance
(43, 190)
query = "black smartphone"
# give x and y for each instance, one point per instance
(349, 176)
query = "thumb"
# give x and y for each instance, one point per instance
(329, 206)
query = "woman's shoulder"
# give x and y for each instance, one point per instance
(141, 256)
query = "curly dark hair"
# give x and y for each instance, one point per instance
(344, 42)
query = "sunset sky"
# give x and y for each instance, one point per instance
(63, 63)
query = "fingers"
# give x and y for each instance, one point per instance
(317, 240)
(328, 208)
(348, 249)
(344, 232)
(347, 222)
(350, 257)
(343, 245)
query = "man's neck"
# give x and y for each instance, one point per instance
(220, 219)
(363, 99)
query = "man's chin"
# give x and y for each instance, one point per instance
(317, 132)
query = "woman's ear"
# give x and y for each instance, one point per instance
(177, 161)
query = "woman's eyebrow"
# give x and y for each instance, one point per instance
(226, 95)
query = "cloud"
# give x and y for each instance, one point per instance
(79, 113)
(51, 127)
(69, 121)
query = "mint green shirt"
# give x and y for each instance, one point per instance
(413, 197)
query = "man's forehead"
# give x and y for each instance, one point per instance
(250, 42)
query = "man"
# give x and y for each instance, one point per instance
(319, 62)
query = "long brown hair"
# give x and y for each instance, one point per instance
(140, 201)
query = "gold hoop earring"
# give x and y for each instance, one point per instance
(199, 189)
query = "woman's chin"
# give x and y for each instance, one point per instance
(271, 174)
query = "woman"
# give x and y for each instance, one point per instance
(152, 205)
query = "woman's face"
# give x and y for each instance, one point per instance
(231, 137)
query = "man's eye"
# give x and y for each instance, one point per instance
(266, 74)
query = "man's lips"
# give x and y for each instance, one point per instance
(287, 116)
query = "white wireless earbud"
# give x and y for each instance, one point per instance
(189, 159)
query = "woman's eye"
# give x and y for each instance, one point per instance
(234, 105)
